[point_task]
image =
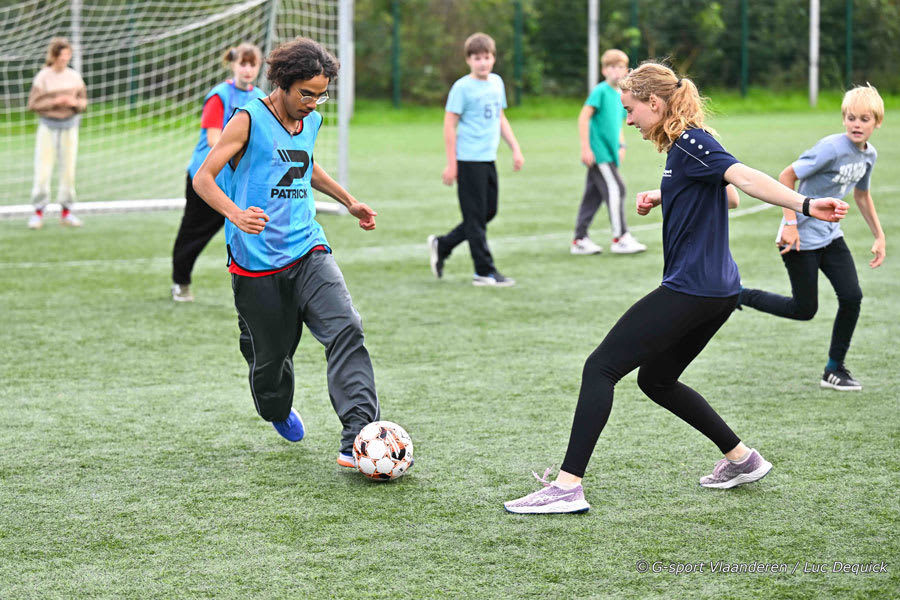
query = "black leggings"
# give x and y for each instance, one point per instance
(803, 267)
(198, 226)
(661, 334)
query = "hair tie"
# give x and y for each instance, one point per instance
(678, 85)
(232, 56)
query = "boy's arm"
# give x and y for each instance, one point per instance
(451, 120)
(867, 209)
(507, 134)
(622, 145)
(233, 139)
(734, 199)
(584, 131)
(790, 237)
(762, 187)
(322, 181)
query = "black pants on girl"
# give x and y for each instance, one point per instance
(198, 225)
(661, 334)
(803, 267)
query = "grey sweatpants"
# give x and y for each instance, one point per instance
(603, 184)
(271, 313)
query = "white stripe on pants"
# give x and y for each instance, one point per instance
(52, 144)
(603, 184)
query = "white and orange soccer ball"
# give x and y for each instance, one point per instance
(383, 451)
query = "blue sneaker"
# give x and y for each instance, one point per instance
(291, 428)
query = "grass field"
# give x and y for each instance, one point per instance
(133, 465)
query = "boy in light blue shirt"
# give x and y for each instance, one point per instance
(473, 125)
(830, 168)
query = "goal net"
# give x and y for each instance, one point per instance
(147, 65)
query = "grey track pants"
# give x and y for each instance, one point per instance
(603, 184)
(271, 313)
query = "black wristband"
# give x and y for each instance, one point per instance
(806, 206)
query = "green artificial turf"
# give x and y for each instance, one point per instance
(133, 465)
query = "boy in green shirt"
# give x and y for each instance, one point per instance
(602, 149)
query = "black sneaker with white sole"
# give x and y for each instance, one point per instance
(495, 279)
(437, 261)
(839, 379)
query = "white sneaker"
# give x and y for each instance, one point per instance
(71, 220)
(182, 293)
(627, 245)
(585, 246)
(36, 221)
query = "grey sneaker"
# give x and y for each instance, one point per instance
(840, 379)
(551, 499)
(182, 293)
(437, 263)
(727, 474)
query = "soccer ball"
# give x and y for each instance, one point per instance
(383, 451)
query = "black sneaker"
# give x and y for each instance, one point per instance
(840, 379)
(495, 279)
(437, 262)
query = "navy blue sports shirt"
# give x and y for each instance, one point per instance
(695, 218)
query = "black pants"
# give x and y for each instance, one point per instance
(477, 190)
(198, 225)
(803, 267)
(661, 334)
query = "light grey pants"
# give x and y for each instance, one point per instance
(603, 184)
(50, 145)
(271, 313)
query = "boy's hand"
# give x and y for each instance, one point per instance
(647, 200)
(252, 221)
(518, 160)
(587, 158)
(828, 209)
(790, 239)
(449, 175)
(621, 154)
(365, 215)
(879, 252)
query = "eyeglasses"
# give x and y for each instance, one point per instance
(320, 99)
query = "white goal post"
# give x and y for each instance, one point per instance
(147, 65)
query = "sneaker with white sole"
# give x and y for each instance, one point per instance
(70, 220)
(840, 379)
(627, 245)
(495, 279)
(291, 428)
(727, 474)
(585, 245)
(182, 293)
(35, 221)
(437, 263)
(551, 499)
(346, 460)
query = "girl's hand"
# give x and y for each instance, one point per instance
(647, 200)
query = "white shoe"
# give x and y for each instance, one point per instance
(182, 293)
(627, 245)
(585, 246)
(71, 220)
(36, 221)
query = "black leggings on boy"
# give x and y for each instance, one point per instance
(661, 333)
